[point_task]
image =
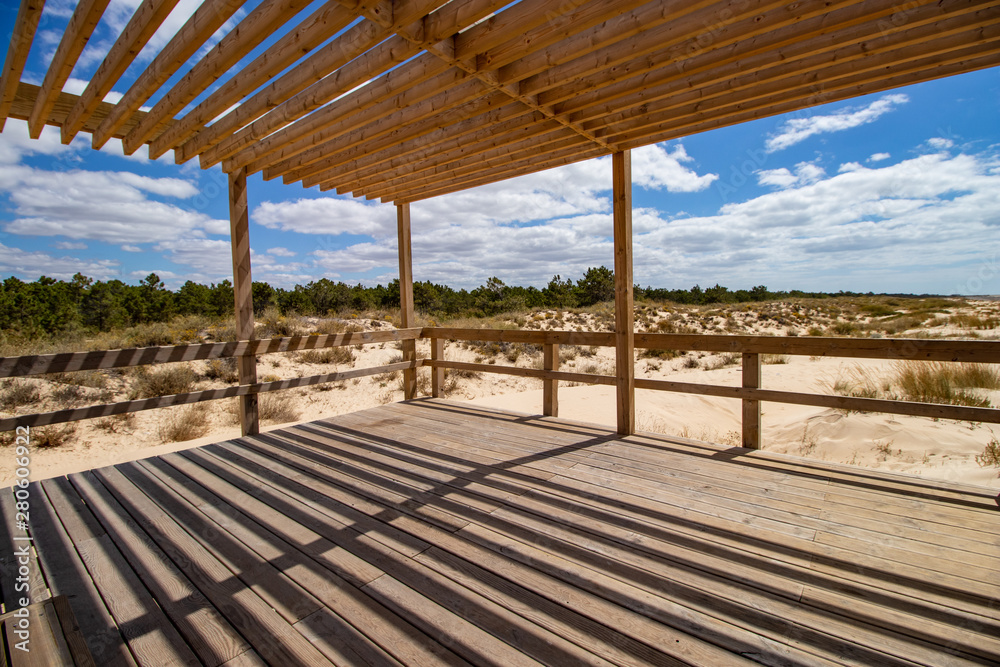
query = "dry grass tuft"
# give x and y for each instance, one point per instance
(327, 355)
(185, 423)
(163, 382)
(224, 369)
(940, 382)
(121, 423)
(277, 408)
(50, 437)
(16, 393)
(990, 455)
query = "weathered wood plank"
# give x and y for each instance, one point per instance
(407, 316)
(624, 309)
(103, 410)
(28, 15)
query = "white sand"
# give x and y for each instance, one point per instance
(940, 449)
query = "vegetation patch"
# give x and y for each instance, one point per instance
(164, 381)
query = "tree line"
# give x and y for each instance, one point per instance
(51, 306)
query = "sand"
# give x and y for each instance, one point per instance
(940, 449)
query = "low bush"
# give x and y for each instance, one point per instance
(162, 382)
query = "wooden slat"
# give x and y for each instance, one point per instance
(205, 20)
(81, 25)
(624, 310)
(207, 632)
(594, 338)
(319, 26)
(63, 362)
(66, 575)
(437, 374)
(144, 23)
(246, 35)
(358, 39)
(407, 316)
(26, 23)
(138, 405)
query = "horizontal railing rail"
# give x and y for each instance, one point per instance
(751, 348)
(63, 362)
(43, 364)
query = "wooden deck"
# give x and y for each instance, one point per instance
(431, 532)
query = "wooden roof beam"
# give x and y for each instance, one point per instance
(208, 18)
(755, 75)
(390, 162)
(345, 48)
(378, 102)
(523, 167)
(27, 94)
(422, 33)
(359, 71)
(81, 26)
(322, 24)
(442, 111)
(243, 38)
(554, 137)
(852, 24)
(21, 39)
(141, 27)
(807, 93)
(627, 36)
(813, 95)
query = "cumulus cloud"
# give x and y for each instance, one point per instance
(878, 157)
(797, 130)
(940, 143)
(207, 256)
(656, 168)
(330, 215)
(280, 252)
(100, 205)
(804, 174)
(31, 265)
(69, 245)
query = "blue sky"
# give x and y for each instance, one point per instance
(893, 192)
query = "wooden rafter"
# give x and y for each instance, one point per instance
(203, 23)
(399, 100)
(253, 29)
(17, 53)
(144, 23)
(81, 26)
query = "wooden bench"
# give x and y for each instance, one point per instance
(54, 637)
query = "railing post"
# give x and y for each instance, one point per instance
(406, 315)
(437, 374)
(751, 408)
(550, 388)
(243, 292)
(624, 315)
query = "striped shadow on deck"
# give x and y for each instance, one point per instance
(430, 532)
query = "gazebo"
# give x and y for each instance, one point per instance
(430, 532)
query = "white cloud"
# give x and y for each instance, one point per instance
(208, 256)
(940, 143)
(331, 215)
(15, 143)
(805, 174)
(69, 245)
(796, 130)
(654, 168)
(31, 265)
(878, 157)
(281, 252)
(131, 248)
(99, 205)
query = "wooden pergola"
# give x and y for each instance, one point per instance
(401, 100)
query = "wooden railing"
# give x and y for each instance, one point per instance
(105, 359)
(751, 348)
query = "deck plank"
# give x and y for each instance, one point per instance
(437, 533)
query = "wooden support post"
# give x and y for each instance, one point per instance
(751, 409)
(550, 388)
(406, 316)
(624, 315)
(239, 230)
(437, 374)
